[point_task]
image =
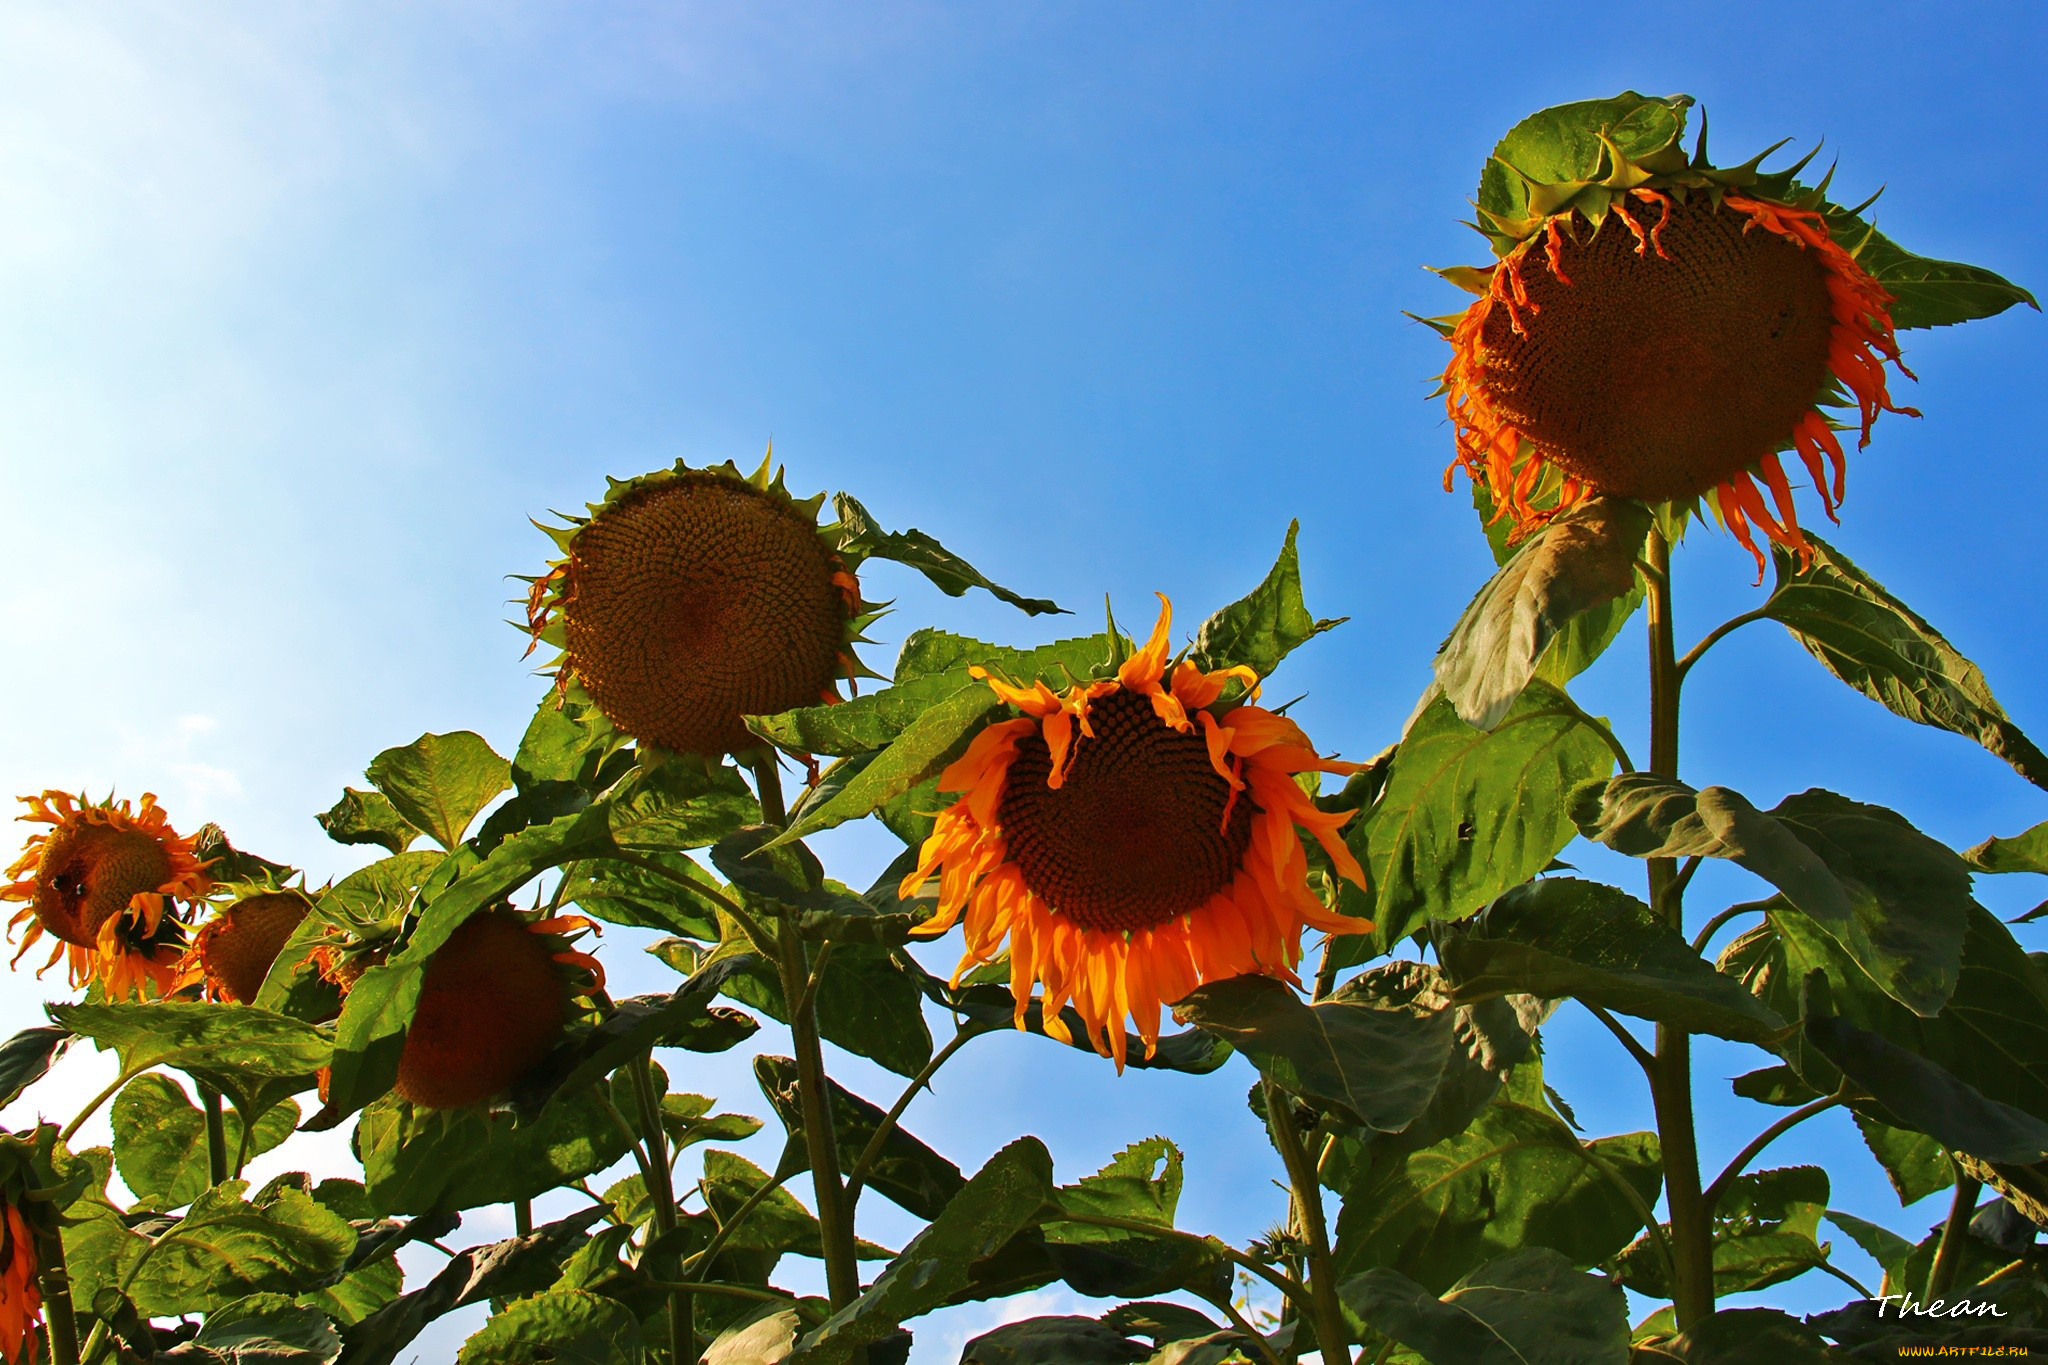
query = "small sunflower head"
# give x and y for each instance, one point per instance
(233, 952)
(1132, 838)
(692, 598)
(493, 1004)
(1659, 328)
(106, 881)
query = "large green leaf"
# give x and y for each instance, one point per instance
(225, 1248)
(1468, 813)
(1765, 1229)
(1517, 1177)
(361, 817)
(949, 573)
(867, 1002)
(1142, 1183)
(1575, 564)
(928, 652)
(906, 1171)
(27, 1057)
(1004, 1196)
(1559, 936)
(2023, 852)
(252, 1056)
(1739, 1336)
(1567, 145)
(438, 783)
(261, 1329)
(1916, 1164)
(1373, 1062)
(1053, 1341)
(425, 1161)
(922, 750)
(563, 1326)
(1882, 648)
(636, 895)
(1529, 1305)
(519, 1265)
(1992, 1036)
(1926, 292)
(568, 740)
(1893, 898)
(859, 724)
(1265, 626)
(160, 1140)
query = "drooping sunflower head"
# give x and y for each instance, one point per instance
(106, 881)
(691, 598)
(233, 951)
(1132, 837)
(1659, 328)
(493, 1003)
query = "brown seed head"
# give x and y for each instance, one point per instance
(88, 874)
(492, 1004)
(696, 601)
(237, 948)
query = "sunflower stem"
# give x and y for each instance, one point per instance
(54, 1279)
(856, 1179)
(1692, 1220)
(661, 1189)
(821, 1139)
(216, 1136)
(1948, 1253)
(1332, 1341)
(522, 1216)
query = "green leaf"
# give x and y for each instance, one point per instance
(1192, 1052)
(438, 783)
(1376, 1066)
(426, 1161)
(924, 748)
(1882, 1245)
(1053, 1341)
(1142, 1183)
(1916, 1164)
(949, 573)
(1739, 1336)
(1468, 813)
(568, 740)
(362, 817)
(252, 1056)
(225, 1248)
(634, 896)
(519, 1265)
(565, 1326)
(766, 1340)
(867, 1003)
(380, 895)
(264, 1329)
(1992, 1036)
(1926, 292)
(1264, 627)
(907, 1172)
(1530, 1305)
(1516, 1178)
(160, 1140)
(359, 1293)
(1893, 898)
(1575, 564)
(1779, 1085)
(1566, 145)
(2026, 852)
(27, 1057)
(859, 724)
(1765, 1225)
(1003, 1197)
(1559, 936)
(1882, 648)
(927, 652)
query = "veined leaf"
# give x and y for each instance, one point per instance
(1265, 626)
(438, 783)
(361, 817)
(948, 572)
(1529, 1305)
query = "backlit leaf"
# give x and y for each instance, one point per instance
(438, 783)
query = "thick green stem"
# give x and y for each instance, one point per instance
(1692, 1222)
(1332, 1339)
(522, 1216)
(821, 1140)
(661, 1193)
(1948, 1254)
(216, 1136)
(54, 1280)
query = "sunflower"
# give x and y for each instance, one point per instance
(105, 882)
(233, 951)
(692, 598)
(1665, 330)
(1132, 838)
(21, 1304)
(493, 1003)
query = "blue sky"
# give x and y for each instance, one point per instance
(310, 307)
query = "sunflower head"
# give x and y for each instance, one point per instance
(233, 951)
(106, 881)
(1659, 328)
(691, 598)
(1132, 837)
(493, 1003)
